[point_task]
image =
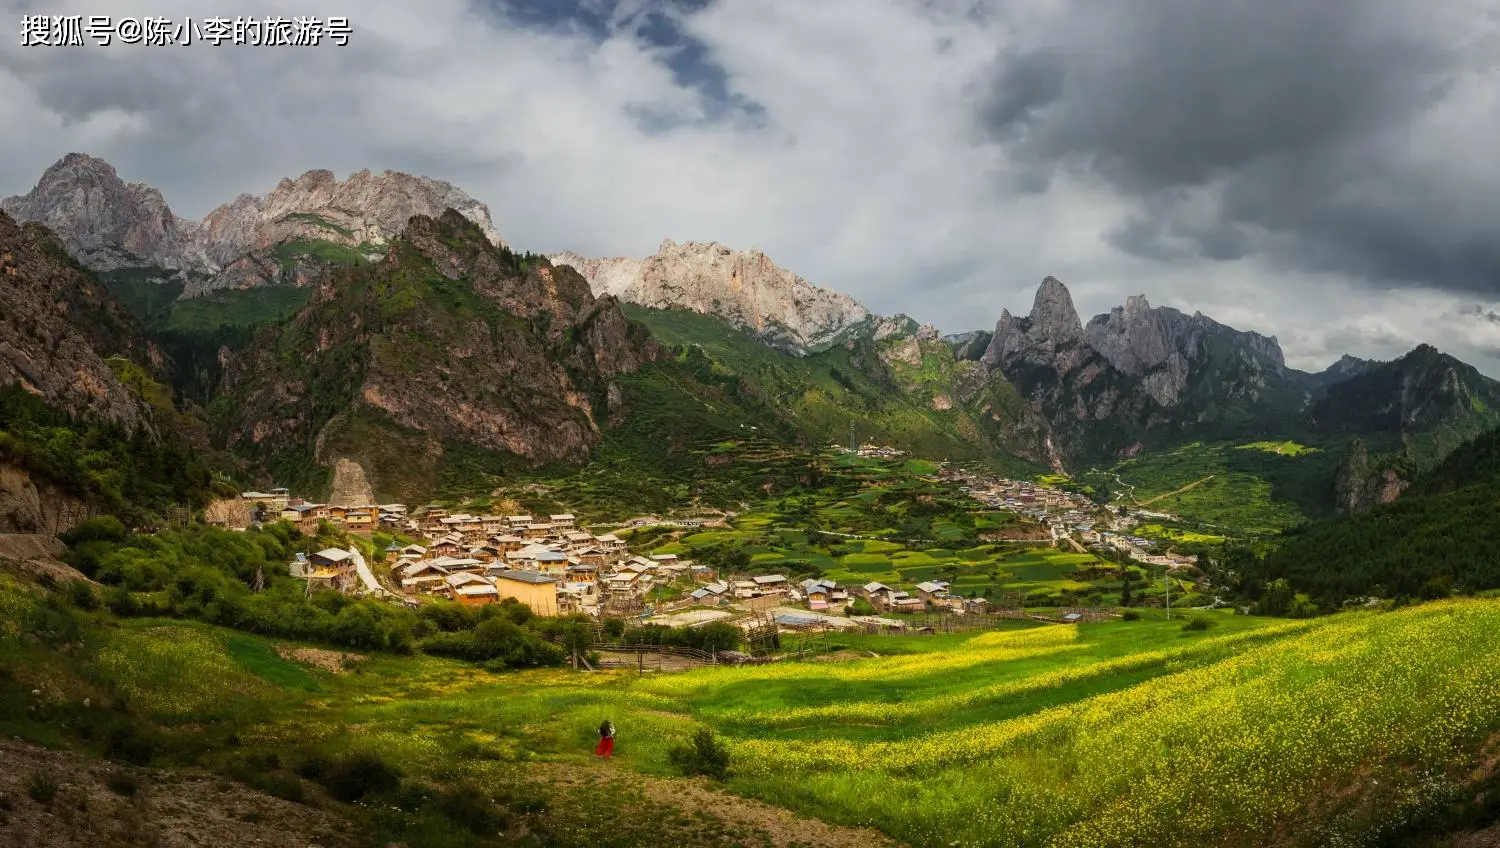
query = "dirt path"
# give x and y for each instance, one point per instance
(1193, 485)
(773, 826)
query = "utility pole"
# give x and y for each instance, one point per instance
(1168, 575)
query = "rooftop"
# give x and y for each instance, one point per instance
(523, 576)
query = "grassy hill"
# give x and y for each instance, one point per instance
(1251, 731)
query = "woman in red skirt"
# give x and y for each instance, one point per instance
(606, 747)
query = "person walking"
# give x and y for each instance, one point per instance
(606, 747)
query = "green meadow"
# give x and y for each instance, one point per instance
(1237, 731)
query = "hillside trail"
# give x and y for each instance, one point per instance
(1193, 485)
(780, 827)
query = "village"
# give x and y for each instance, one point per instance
(555, 566)
(1071, 518)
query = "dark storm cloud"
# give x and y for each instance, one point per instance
(1028, 82)
(1317, 134)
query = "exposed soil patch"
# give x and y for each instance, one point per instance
(62, 800)
(337, 662)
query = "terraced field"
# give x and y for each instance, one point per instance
(885, 521)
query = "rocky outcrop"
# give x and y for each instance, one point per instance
(1137, 369)
(30, 505)
(56, 326)
(743, 287)
(288, 236)
(350, 486)
(1360, 484)
(1161, 345)
(1050, 336)
(233, 513)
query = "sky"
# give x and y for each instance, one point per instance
(1324, 172)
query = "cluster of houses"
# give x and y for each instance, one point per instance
(869, 450)
(933, 594)
(362, 519)
(551, 565)
(1069, 514)
(1055, 507)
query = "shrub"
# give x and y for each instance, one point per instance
(105, 528)
(41, 787)
(703, 754)
(1197, 624)
(314, 766)
(128, 741)
(469, 807)
(81, 595)
(1130, 615)
(122, 783)
(352, 777)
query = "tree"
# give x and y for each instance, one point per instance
(719, 636)
(704, 754)
(1125, 590)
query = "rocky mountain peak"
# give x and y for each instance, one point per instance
(743, 287)
(1053, 314)
(105, 222)
(1050, 334)
(108, 224)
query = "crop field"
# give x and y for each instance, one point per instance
(893, 526)
(1129, 733)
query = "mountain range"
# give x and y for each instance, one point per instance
(382, 322)
(286, 236)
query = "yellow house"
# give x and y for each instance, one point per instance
(531, 588)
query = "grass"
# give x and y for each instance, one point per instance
(1147, 732)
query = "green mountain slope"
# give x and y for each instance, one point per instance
(1441, 533)
(904, 391)
(1426, 402)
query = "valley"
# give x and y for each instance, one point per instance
(334, 514)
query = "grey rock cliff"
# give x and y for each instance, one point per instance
(108, 224)
(742, 287)
(1161, 345)
(1050, 335)
(1137, 369)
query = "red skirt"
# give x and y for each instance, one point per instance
(606, 747)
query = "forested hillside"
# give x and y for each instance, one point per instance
(1441, 535)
